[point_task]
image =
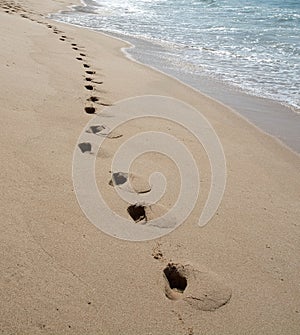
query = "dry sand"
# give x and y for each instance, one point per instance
(62, 275)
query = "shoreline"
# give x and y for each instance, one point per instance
(270, 116)
(262, 122)
(258, 121)
(62, 275)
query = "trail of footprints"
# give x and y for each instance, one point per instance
(89, 74)
(11, 7)
(199, 288)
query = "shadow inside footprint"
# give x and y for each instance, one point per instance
(137, 212)
(86, 66)
(93, 99)
(177, 281)
(95, 129)
(119, 178)
(89, 87)
(90, 110)
(85, 147)
(90, 72)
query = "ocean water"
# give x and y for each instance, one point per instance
(248, 45)
(244, 53)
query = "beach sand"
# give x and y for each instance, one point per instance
(62, 275)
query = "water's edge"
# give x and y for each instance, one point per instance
(268, 115)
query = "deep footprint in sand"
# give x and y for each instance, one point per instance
(89, 87)
(201, 289)
(90, 110)
(90, 72)
(153, 215)
(137, 213)
(86, 66)
(85, 147)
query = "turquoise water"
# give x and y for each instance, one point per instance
(252, 46)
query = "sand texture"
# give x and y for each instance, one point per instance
(60, 274)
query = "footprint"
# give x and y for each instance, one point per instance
(74, 44)
(56, 31)
(93, 99)
(176, 281)
(62, 39)
(154, 211)
(95, 129)
(89, 87)
(79, 58)
(90, 110)
(86, 66)
(88, 79)
(75, 48)
(201, 289)
(137, 213)
(90, 72)
(85, 147)
(83, 55)
(118, 178)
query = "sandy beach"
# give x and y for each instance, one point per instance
(60, 274)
